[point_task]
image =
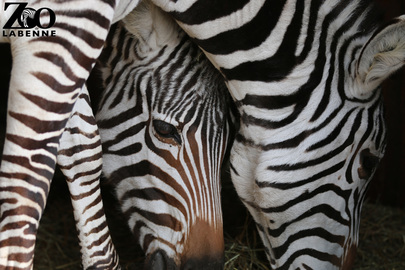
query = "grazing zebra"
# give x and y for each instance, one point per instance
(164, 123)
(305, 76)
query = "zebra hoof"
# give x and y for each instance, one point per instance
(159, 261)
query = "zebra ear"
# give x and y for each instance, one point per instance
(381, 56)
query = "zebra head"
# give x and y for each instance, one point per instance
(315, 134)
(164, 126)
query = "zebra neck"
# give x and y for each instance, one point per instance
(275, 46)
(303, 53)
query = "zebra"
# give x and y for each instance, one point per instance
(305, 76)
(47, 79)
(27, 13)
(164, 119)
(281, 60)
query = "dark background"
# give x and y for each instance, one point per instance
(388, 185)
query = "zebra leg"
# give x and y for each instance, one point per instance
(80, 159)
(47, 75)
(35, 122)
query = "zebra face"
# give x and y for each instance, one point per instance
(302, 162)
(164, 126)
(306, 200)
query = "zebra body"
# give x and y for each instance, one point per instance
(164, 125)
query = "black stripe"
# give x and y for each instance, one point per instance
(207, 10)
(32, 144)
(58, 61)
(278, 66)
(344, 194)
(55, 85)
(38, 125)
(119, 92)
(248, 36)
(128, 150)
(127, 133)
(370, 126)
(153, 194)
(79, 161)
(144, 168)
(91, 15)
(76, 52)
(322, 256)
(48, 105)
(233, 169)
(335, 54)
(298, 183)
(83, 34)
(78, 148)
(86, 194)
(165, 220)
(327, 156)
(334, 134)
(123, 116)
(85, 173)
(312, 232)
(324, 209)
(35, 197)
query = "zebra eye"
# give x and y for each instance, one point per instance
(368, 163)
(166, 130)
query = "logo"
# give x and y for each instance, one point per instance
(34, 22)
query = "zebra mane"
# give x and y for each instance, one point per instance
(151, 25)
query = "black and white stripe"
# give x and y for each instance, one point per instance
(164, 125)
(47, 78)
(305, 76)
(80, 159)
